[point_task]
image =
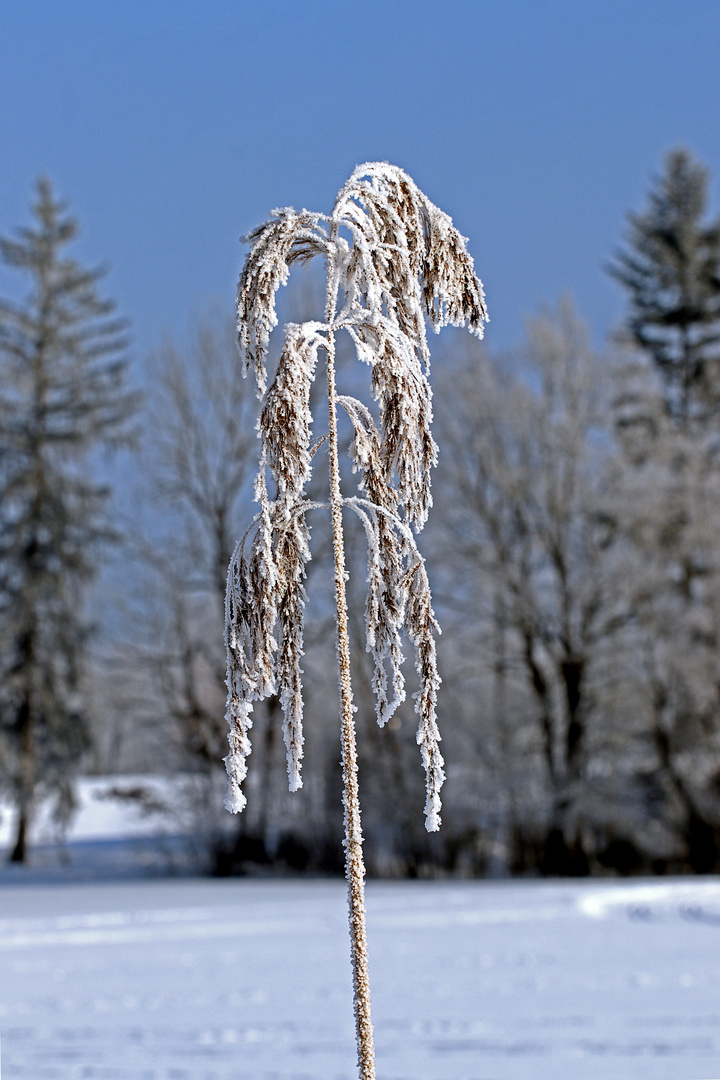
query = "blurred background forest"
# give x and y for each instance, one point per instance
(573, 546)
(572, 549)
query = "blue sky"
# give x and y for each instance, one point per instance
(173, 127)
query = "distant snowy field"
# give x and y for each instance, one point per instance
(98, 817)
(249, 980)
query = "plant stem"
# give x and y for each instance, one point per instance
(354, 864)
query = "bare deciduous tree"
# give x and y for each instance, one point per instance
(196, 468)
(523, 499)
(664, 503)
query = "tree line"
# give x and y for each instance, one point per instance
(572, 553)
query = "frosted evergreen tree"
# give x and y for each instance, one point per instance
(62, 395)
(666, 491)
(394, 260)
(671, 271)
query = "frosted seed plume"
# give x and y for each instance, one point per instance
(394, 261)
(286, 238)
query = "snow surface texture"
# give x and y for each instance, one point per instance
(208, 980)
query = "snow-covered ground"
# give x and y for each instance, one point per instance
(249, 980)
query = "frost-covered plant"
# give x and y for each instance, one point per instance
(393, 260)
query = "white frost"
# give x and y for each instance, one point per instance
(404, 264)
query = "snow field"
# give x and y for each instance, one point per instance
(250, 980)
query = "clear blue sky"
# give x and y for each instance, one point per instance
(174, 126)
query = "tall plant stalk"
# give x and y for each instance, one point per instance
(354, 863)
(393, 260)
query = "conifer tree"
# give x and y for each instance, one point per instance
(671, 271)
(665, 490)
(393, 259)
(62, 396)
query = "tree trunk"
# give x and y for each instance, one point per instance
(26, 768)
(19, 852)
(701, 837)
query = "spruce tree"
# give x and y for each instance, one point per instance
(671, 271)
(62, 397)
(664, 496)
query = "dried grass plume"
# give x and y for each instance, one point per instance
(394, 263)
